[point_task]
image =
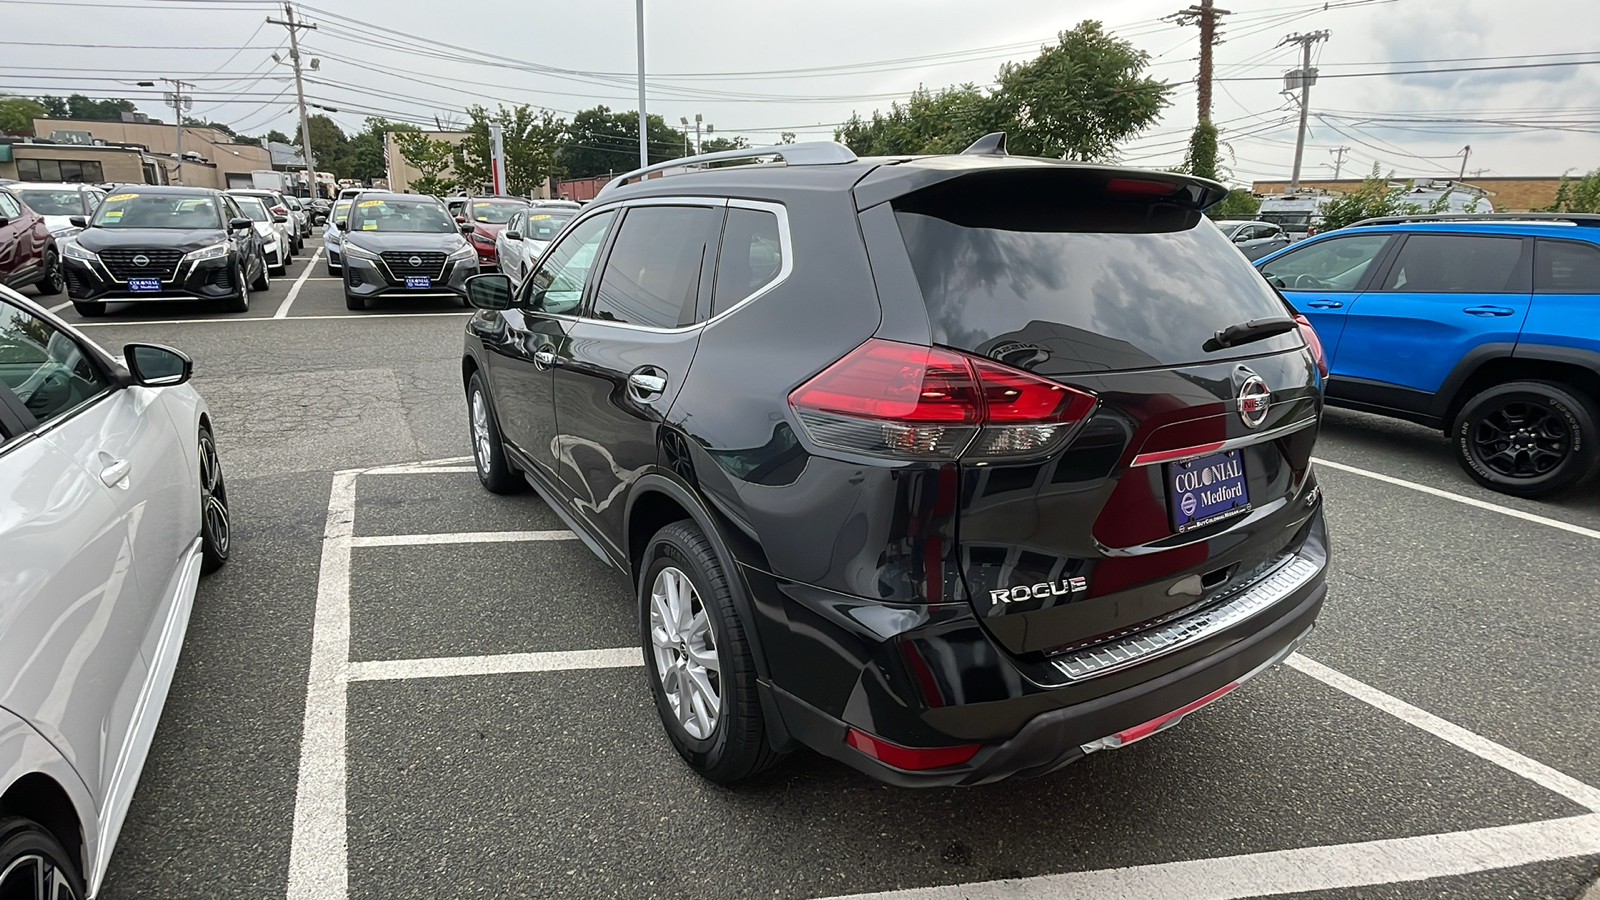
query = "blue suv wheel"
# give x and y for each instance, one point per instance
(1528, 438)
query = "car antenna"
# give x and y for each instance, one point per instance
(992, 144)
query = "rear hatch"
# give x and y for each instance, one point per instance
(1182, 480)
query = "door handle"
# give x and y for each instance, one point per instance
(645, 386)
(544, 359)
(1326, 304)
(115, 472)
(1488, 311)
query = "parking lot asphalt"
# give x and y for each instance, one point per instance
(1434, 738)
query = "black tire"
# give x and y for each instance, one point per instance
(736, 747)
(54, 280)
(25, 849)
(333, 271)
(89, 309)
(488, 452)
(264, 280)
(1528, 438)
(216, 525)
(239, 302)
(351, 301)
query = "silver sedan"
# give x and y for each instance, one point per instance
(112, 504)
(524, 239)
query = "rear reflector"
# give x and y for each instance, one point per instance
(910, 758)
(1139, 732)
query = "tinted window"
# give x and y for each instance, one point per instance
(652, 276)
(1084, 286)
(751, 256)
(1456, 264)
(395, 214)
(1562, 267)
(52, 202)
(135, 210)
(557, 287)
(1335, 264)
(42, 366)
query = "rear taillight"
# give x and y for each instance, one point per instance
(1313, 343)
(280, 210)
(1140, 187)
(891, 399)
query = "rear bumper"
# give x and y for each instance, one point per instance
(212, 279)
(936, 679)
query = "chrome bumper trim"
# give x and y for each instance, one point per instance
(1182, 453)
(1134, 649)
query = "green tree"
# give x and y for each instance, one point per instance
(1378, 195)
(718, 144)
(328, 144)
(1582, 195)
(56, 106)
(599, 141)
(531, 140)
(1201, 158)
(432, 158)
(81, 107)
(17, 115)
(1238, 204)
(277, 136)
(946, 121)
(1081, 97)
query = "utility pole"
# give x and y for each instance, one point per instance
(1338, 160)
(1206, 16)
(644, 146)
(1465, 152)
(300, 90)
(179, 103)
(1305, 76)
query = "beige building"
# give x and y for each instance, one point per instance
(1510, 194)
(219, 156)
(25, 161)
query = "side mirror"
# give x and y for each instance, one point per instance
(319, 219)
(513, 235)
(4, 221)
(153, 365)
(1241, 237)
(491, 291)
(342, 225)
(461, 219)
(239, 224)
(79, 221)
(280, 219)
(466, 227)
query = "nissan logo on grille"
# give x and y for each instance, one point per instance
(415, 260)
(141, 260)
(1254, 400)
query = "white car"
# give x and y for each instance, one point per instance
(278, 204)
(59, 203)
(330, 235)
(524, 239)
(112, 504)
(274, 230)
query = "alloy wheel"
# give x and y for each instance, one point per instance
(213, 497)
(55, 277)
(482, 445)
(35, 877)
(685, 653)
(1521, 439)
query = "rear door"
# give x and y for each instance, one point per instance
(1322, 279)
(1443, 295)
(15, 239)
(617, 377)
(1566, 296)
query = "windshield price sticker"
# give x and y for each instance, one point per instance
(116, 197)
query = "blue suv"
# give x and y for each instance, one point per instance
(1485, 326)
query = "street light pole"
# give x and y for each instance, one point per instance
(644, 146)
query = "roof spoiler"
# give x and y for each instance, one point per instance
(1589, 219)
(811, 153)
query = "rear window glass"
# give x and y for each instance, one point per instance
(1457, 264)
(750, 258)
(1077, 287)
(1564, 267)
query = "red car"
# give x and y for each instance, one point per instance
(487, 216)
(28, 254)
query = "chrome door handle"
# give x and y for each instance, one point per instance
(544, 359)
(114, 473)
(1326, 304)
(644, 386)
(1488, 311)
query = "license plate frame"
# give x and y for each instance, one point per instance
(144, 285)
(1206, 489)
(419, 283)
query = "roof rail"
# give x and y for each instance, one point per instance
(1590, 219)
(811, 153)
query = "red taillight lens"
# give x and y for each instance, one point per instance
(895, 399)
(1140, 187)
(1313, 343)
(913, 758)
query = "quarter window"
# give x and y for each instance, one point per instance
(8, 206)
(1336, 264)
(1565, 267)
(750, 259)
(557, 287)
(652, 276)
(1457, 264)
(44, 367)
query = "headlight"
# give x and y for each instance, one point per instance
(462, 252)
(215, 251)
(354, 252)
(65, 232)
(482, 239)
(73, 250)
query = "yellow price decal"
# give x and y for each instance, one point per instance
(115, 197)
(113, 213)
(369, 226)
(366, 203)
(538, 217)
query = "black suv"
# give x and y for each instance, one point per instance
(402, 244)
(951, 468)
(148, 243)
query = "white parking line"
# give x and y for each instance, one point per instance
(1460, 498)
(238, 319)
(420, 470)
(460, 537)
(60, 306)
(1281, 872)
(500, 664)
(294, 291)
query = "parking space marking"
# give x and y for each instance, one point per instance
(421, 470)
(498, 664)
(60, 306)
(460, 537)
(1479, 746)
(1279, 872)
(294, 291)
(1460, 498)
(237, 319)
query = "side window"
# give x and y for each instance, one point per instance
(751, 256)
(8, 206)
(1566, 267)
(1456, 264)
(1336, 264)
(557, 287)
(44, 367)
(652, 276)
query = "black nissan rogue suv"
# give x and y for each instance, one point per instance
(950, 468)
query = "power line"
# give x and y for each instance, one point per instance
(1545, 65)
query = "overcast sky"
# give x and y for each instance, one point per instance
(1391, 120)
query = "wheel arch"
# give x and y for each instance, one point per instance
(1572, 367)
(40, 798)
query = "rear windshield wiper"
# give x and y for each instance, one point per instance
(1253, 330)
